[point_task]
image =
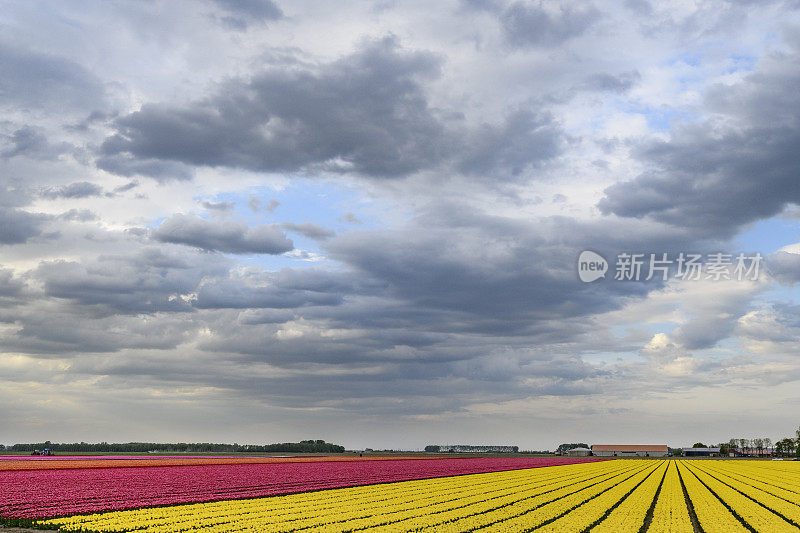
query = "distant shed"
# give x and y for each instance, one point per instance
(701, 452)
(579, 452)
(630, 450)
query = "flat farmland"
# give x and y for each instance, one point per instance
(450, 495)
(50, 490)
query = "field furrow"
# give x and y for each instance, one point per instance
(670, 514)
(757, 516)
(629, 516)
(711, 513)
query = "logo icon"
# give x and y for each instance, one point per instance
(591, 266)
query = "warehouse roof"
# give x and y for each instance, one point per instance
(629, 448)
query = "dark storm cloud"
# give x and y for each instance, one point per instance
(240, 13)
(639, 7)
(485, 266)
(147, 281)
(154, 168)
(419, 322)
(286, 288)
(524, 138)
(17, 225)
(310, 230)
(528, 24)
(234, 295)
(265, 316)
(356, 373)
(739, 166)
(431, 305)
(9, 284)
(366, 113)
(78, 189)
(508, 365)
(415, 315)
(31, 142)
(706, 331)
(32, 80)
(55, 330)
(369, 389)
(481, 5)
(604, 81)
(257, 9)
(223, 236)
(127, 187)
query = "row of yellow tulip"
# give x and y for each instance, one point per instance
(759, 508)
(523, 511)
(670, 515)
(612, 496)
(324, 507)
(712, 515)
(592, 511)
(779, 478)
(744, 508)
(631, 514)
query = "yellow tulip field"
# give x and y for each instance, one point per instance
(608, 496)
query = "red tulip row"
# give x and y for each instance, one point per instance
(49, 493)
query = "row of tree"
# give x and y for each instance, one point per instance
(785, 447)
(304, 446)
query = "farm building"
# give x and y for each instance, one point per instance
(701, 452)
(579, 452)
(466, 448)
(630, 450)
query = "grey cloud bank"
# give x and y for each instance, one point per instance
(34, 81)
(737, 167)
(223, 236)
(366, 114)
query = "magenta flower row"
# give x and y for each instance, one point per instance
(50, 493)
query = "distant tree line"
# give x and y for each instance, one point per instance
(304, 446)
(786, 447)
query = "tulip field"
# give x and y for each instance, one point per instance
(50, 491)
(410, 494)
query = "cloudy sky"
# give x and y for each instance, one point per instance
(255, 221)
